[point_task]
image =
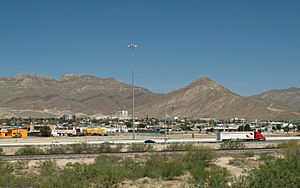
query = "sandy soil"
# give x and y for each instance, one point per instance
(224, 162)
(62, 162)
(178, 182)
(243, 164)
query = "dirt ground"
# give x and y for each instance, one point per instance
(238, 165)
(178, 182)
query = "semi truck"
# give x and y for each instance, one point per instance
(243, 136)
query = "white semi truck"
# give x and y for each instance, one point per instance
(243, 136)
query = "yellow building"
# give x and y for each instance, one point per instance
(13, 133)
(94, 131)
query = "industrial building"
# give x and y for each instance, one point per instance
(13, 132)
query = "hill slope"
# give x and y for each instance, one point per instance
(289, 97)
(71, 93)
(206, 98)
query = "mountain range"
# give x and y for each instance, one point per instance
(38, 96)
(290, 96)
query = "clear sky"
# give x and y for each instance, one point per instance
(248, 46)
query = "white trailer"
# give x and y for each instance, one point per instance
(223, 136)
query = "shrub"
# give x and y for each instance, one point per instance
(82, 148)
(172, 169)
(210, 177)
(230, 145)
(5, 168)
(117, 148)
(162, 167)
(283, 172)
(104, 148)
(56, 150)
(249, 154)
(6, 176)
(140, 147)
(202, 156)
(134, 170)
(179, 147)
(218, 177)
(266, 157)
(30, 150)
(48, 168)
(1, 151)
(290, 148)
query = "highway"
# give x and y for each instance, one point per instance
(54, 141)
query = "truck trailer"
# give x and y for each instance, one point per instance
(243, 136)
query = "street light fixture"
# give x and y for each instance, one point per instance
(132, 46)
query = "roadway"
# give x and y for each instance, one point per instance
(19, 142)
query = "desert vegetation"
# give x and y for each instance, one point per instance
(197, 166)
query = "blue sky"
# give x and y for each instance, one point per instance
(248, 46)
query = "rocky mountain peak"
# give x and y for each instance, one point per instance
(204, 84)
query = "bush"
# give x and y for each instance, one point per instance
(109, 171)
(231, 145)
(249, 154)
(202, 156)
(30, 150)
(56, 150)
(6, 177)
(1, 151)
(48, 168)
(105, 148)
(117, 148)
(172, 169)
(274, 173)
(140, 147)
(80, 148)
(290, 148)
(134, 169)
(210, 177)
(179, 147)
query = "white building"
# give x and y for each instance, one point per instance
(122, 114)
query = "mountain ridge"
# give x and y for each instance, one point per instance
(289, 96)
(89, 94)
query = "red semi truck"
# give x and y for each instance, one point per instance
(244, 136)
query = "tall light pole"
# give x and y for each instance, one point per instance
(172, 109)
(165, 122)
(132, 46)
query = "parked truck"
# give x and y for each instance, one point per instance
(243, 136)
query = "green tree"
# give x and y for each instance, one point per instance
(244, 128)
(45, 131)
(278, 127)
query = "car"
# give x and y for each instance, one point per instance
(149, 142)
